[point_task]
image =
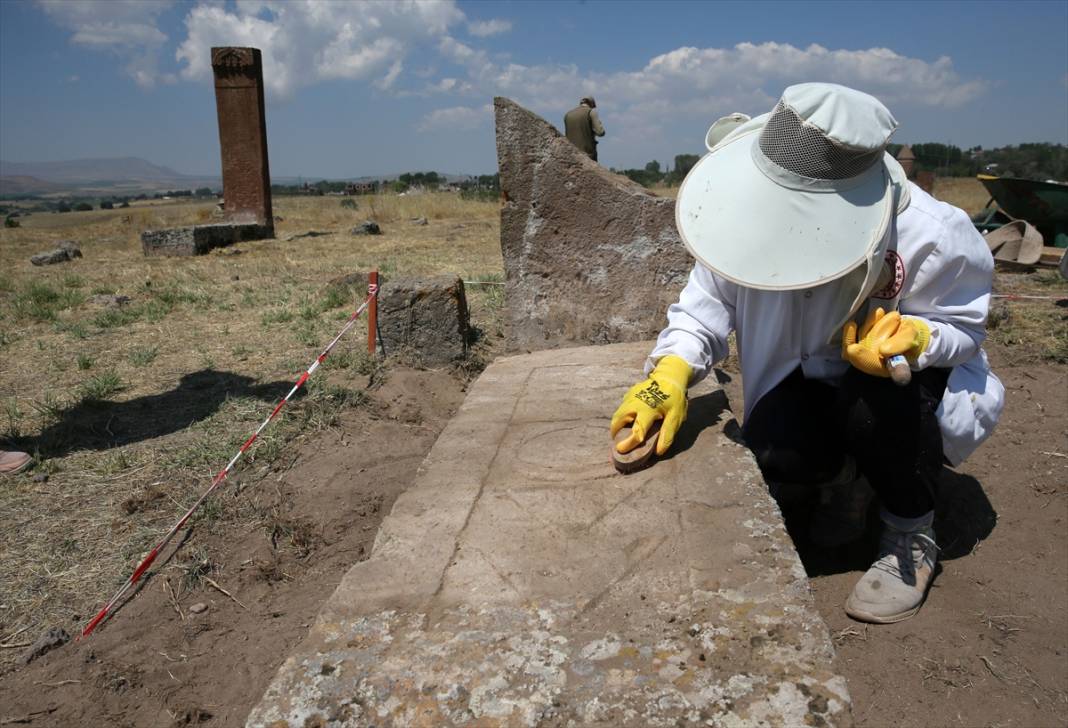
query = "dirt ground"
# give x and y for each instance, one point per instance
(159, 664)
(990, 648)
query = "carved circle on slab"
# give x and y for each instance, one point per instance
(567, 452)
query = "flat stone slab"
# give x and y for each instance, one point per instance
(522, 581)
(200, 239)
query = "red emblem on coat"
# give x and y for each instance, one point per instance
(895, 266)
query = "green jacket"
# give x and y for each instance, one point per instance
(581, 125)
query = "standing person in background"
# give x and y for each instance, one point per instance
(582, 125)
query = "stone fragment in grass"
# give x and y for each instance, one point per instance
(66, 250)
(109, 301)
(51, 639)
(424, 321)
(368, 227)
(198, 608)
(420, 221)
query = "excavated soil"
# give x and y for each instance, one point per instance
(151, 667)
(989, 648)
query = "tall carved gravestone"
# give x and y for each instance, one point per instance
(242, 134)
(246, 175)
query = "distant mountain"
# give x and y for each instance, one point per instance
(81, 171)
(25, 185)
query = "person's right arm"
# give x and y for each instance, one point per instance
(698, 324)
(595, 123)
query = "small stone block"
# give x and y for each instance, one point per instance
(424, 321)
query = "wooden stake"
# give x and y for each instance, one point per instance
(372, 314)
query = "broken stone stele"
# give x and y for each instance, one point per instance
(424, 321)
(246, 174)
(521, 581)
(590, 257)
(66, 250)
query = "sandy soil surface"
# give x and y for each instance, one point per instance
(990, 648)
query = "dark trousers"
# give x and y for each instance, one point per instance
(802, 430)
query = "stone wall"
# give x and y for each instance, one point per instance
(590, 257)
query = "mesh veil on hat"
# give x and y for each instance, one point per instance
(798, 197)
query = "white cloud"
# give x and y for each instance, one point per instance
(386, 81)
(127, 28)
(307, 42)
(706, 83)
(486, 28)
(462, 118)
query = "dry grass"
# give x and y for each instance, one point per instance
(1030, 329)
(967, 193)
(132, 410)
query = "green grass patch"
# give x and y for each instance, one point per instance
(41, 302)
(278, 316)
(307, 336)
(357, 360)
(173, 295)
(51, 408)
(142, 356)
(14, 417)
(84, 362)
(115, 317)
(74, 328)
(335, 297)
(71, 280)
(155, 310)
(101, 386)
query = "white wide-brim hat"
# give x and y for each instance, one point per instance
(798, 197)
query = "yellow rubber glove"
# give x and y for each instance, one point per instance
(910, 339)
(864, 353)
(662, 395)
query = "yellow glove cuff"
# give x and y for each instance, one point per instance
(674, 369)
(923, 338)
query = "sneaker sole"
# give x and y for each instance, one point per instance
(20, 469)
(864, 616)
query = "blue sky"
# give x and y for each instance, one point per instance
(365, 88)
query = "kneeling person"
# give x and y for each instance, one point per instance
(802, 226)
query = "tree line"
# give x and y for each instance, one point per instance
(1039, 161)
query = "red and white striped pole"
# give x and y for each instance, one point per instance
(372, 295)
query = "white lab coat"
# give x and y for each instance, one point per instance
(938, 268)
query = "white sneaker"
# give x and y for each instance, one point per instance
(893, 589)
